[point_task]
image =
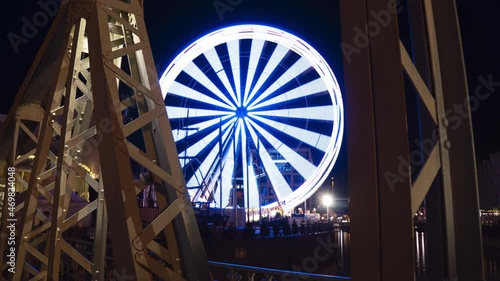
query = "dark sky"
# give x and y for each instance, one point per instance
(174, 25)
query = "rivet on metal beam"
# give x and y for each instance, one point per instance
(446, 122)
(138, 244)
(140, 255)
(447, 144)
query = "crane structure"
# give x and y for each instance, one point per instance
(96, 62)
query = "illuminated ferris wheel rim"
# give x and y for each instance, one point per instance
(304, 50)
(251, 31)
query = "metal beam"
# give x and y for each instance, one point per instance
(467, 227)
(363, 190)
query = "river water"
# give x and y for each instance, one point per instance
(343, 238)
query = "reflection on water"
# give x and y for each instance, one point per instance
(420, 252)
(344, 239)
(491, 259)
(492, 268)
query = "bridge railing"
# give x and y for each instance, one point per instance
(236, 272)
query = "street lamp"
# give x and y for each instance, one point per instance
(327, 201)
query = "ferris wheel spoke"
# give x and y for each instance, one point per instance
(303, 166)
(214, 60)
(182, 112)
(255, 53)
(297, 69)
(180, 134)
(249, 179)
(252, 192)
(227, 176)
(233, 48)
(323, 113)
(316, 140)
(208, 164)
(203, 169)
(209, 186)
(277, 56)
(197, 147)
(244, 151)
(227, 165)
(311, 88)
(280, 185)
(186, 92)
(194, 71)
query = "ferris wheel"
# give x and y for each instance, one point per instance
(255, 107)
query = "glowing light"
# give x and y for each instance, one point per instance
(216, 64)
(314, 139)
(303, 166)
(199, 76)
(178, 112)
(234, 58)
(255, 54)
(313, 87)
(309, 114)
(315, 113)
(300, 66)
(279, 184)
(88, 170)
(327, 200)
(278, 54)
(184, 91)
(201, 144)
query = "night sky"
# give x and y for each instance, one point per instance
(175, 25)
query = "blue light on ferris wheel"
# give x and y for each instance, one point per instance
(250, 94)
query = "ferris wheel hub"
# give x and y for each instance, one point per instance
(241, 112)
